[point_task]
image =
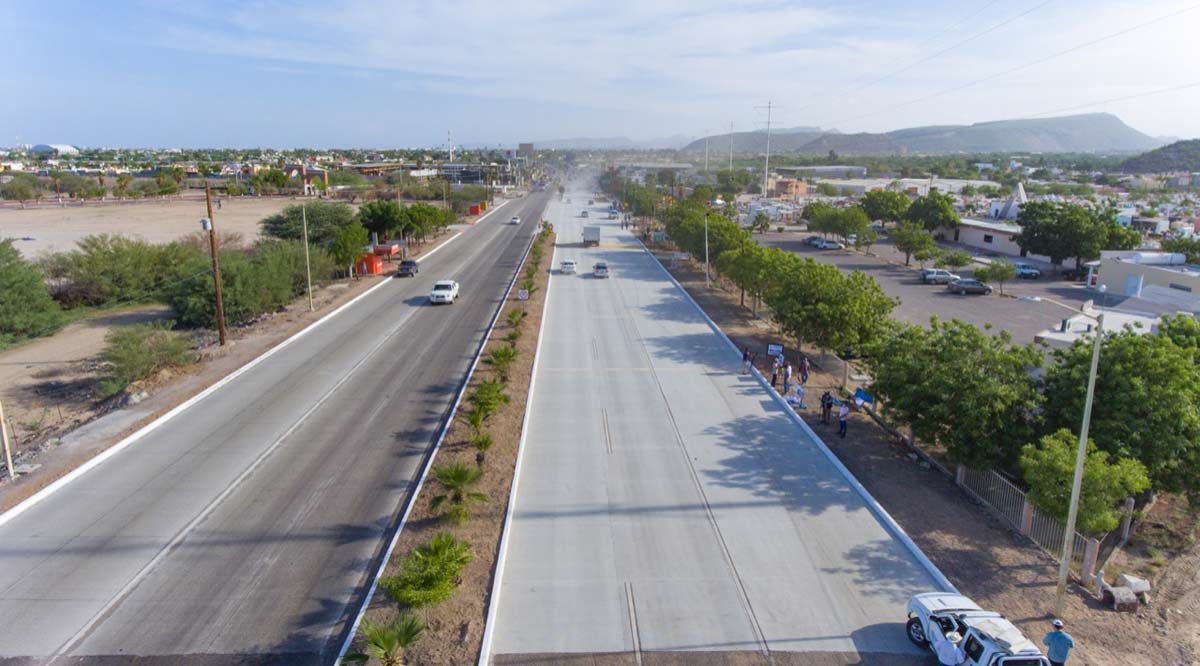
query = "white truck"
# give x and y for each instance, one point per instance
(591, 236)
(988, 639)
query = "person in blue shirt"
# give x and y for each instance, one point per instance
(1059, 643)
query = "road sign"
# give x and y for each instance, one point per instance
(522, 294)
(774, 350)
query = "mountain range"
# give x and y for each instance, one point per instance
(674, 142)
(1085, 133)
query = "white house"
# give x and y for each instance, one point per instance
(1009, 208)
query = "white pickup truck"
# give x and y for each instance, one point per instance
(988, 639)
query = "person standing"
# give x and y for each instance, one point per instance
(745, 360)
(804, 370)
(947, 649)
(1060, 644)
(843, 419)
(826, 407)
(774, 372)
(787, 378)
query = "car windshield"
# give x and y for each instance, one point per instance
(442, 287)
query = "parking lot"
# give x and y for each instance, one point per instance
(918, 301)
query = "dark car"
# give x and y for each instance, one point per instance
(968, 286)
(408, 268)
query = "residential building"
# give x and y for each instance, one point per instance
(787, 187)
(1158, 277)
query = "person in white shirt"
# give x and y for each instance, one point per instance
(947, 650)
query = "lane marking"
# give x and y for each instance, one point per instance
(608, 445)
(409, 501)
(634, 631)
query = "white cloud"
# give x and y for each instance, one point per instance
(679, 66)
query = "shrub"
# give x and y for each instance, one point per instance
(138, 351)
(502, 359)
(429, 575)
(324, 219)
(26, 308)
(387, 641)
(488, 396)
(105, 269)
(457, 479)
(516, 317)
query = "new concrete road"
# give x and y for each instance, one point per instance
(666, 502)
(245, 528)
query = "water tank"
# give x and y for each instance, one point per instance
(1159, 258)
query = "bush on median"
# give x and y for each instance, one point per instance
(429, 575)
(138, 351)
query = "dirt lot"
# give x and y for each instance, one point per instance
(454, 630)
(984, 558)
(57, 229)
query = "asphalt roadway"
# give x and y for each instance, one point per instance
(245, 529)
(667, 503)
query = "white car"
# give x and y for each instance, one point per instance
(600, 269)
(988, 638)
(826, 244)
(444, 291)
(516, 219)
(567, 267)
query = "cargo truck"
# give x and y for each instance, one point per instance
(591, 236)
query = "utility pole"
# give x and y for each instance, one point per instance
(705, 151)
(211, 227)
(707, 284)
(12, 472)
(307, 266)
(767, 160)
(731, 145)
(1064, 567)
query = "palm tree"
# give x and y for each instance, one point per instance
(387, 641)
(457, 479)
(502, 359)
(516, 318)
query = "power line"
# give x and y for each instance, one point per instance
(1026, 65)
(957, 23)
(942, 52)
(1147, 93)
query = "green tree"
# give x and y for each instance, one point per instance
(999, 271)
(761, 222)
(1185, 246)
(885, 205)
(953, 259)
(911, 238)
(817, 303)
(1063, 230)
(26, 308)
(385, 218)
(960, 388)
(865, 239)
(386, 641)
(828, 189)
(324, 220)
(933, 211)
(1147, 402)
(1049, 469)
(457, 481)
(133, 353)
(348, 244)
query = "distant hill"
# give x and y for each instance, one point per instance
(782, 140)
(1179, 156)
(615, 143)
(1086, 133)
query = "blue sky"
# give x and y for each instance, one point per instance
(360, 73)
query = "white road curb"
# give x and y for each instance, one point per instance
(485, 651)
(881, 514)
(391, 547)
(58, 484)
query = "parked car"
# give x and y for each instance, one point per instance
(583, 214)
(567, 267)
(516, 219)
(937, 276)
(600, 269)
(827, 244)
(968, 286)
(408, 268)
(813, 240)
(988, 638)
(1027, 271)
(852, 239)
(591, 202)
(444, 291)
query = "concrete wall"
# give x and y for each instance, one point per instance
(1125, 278)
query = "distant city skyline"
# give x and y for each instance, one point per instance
(262, 73)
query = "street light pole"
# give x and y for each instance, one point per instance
(1064, 566)
(307, 265)
(706, 279)
(211, 227)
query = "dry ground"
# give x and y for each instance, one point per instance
(984, 558)
(57, 229)
(454, 631)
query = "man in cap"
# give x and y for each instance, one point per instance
(1059, 643)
